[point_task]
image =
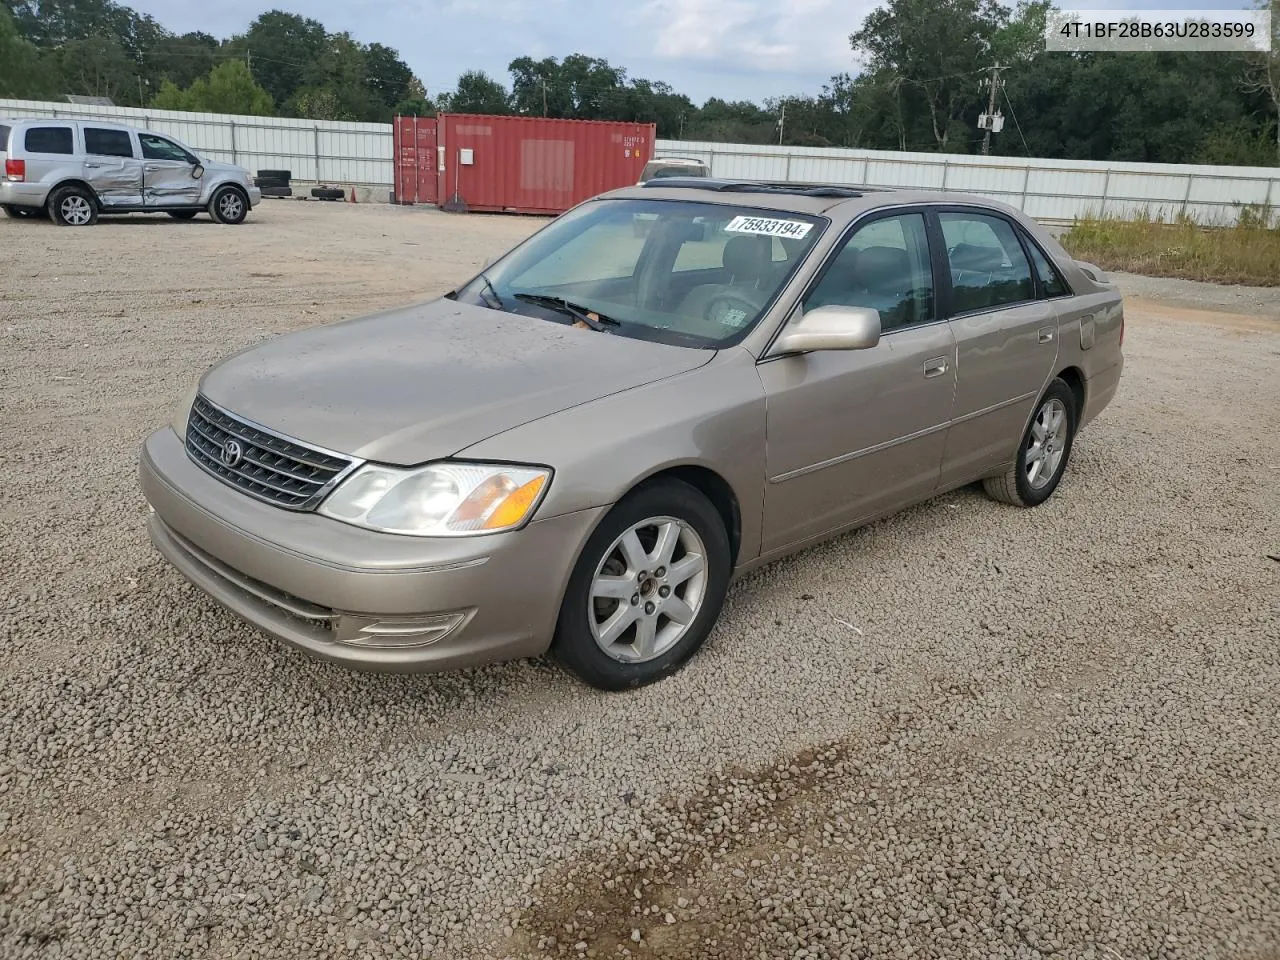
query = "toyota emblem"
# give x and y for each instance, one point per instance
(231, 454)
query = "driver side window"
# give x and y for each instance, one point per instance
(158, 148)
(884, 265)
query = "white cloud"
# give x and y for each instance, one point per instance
(756, 35)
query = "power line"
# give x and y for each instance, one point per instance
(1017, 125)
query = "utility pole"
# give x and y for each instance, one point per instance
(782, 120)
(544, 96)
(991, 109)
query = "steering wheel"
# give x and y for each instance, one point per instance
(729, 310)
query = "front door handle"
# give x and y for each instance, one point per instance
(935, 367)
(1046, 334)
(92, 166)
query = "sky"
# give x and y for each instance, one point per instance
(734, 49)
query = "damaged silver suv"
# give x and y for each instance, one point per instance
(74, 170)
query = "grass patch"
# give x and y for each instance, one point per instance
(1248, 252)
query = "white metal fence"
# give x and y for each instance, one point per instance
(1049, 190)
(327, 151)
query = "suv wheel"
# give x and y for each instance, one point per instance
(647, 588)
(73, 206)
(228, 205)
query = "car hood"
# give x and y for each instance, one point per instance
(423, 382)
(217, 166)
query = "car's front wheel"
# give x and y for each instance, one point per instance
(228, 205)
(647, 588)
(1043, 452)
(73, 206)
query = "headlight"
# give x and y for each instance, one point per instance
(440, 500)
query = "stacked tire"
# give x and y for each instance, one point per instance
(274, 183)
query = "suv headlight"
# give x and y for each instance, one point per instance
(439, 500)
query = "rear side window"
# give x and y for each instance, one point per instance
(988, 268)
(48, 140)
(4, 138)
(107, 143)
(1050, 280)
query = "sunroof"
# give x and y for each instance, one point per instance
(762, 186)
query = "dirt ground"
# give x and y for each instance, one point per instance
(965, 731)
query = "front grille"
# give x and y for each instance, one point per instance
(268, 467)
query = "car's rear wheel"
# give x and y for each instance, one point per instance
(228, 205)
(1043, 452)
(183, 214)
(73, 206)
(647, 588)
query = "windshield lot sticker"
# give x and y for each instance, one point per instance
(793, 229)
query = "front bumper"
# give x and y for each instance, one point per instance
(22, 194)
(255, 196)
(364, 599)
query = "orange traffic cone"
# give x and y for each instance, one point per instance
(353, 195)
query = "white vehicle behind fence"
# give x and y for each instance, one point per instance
(74, 170)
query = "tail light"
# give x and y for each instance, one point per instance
(15, 169)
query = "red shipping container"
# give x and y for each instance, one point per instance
(536, 165)
(416, 159)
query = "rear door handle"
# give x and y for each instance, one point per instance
(935, 367)
(1046, 334)
(92, 166)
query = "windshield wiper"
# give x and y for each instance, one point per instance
(496, 301)
(594, 319)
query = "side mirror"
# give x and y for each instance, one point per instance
(197, 171)
(832, 328)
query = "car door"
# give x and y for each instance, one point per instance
(1006, 338)
(111, 166)
(166, 173)
(854, 433)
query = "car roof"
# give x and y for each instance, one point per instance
(834, 200)
(64, 121)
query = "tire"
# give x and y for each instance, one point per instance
(277, 192)
(327, 193)
(269, 182)
(637, 656)
(73, 206)
(21, 213)
(183, 214)
(285, 175)
(228, 205)
(1053, 425)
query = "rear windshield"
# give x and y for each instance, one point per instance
(4, 138)
(659, 172)
(48, 140)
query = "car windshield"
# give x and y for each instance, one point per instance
(692, 274)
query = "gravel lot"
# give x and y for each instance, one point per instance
(968, 731)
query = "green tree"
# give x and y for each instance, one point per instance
(281, 49)
(23, 72)
(477, 92)
(1262, 71)
(387, 76)
(229, 88)
(937, 49)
